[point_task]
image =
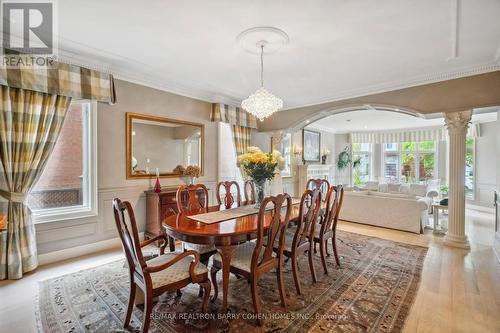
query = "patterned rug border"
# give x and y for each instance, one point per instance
(399, 322)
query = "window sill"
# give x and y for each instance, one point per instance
(62, 214)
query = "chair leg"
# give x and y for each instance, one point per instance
(311, 265)
(322, 245)
(179, 293)
(281, 285)
(204, 262)
(326, 248)
(148, 307)
(213, 277)
(296, 274)
(334, 244)
(130, 307)
(255, 300)
(206, 290)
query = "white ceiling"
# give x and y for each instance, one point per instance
(337, 48)
(377, 120)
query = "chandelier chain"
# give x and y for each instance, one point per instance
(262, 65)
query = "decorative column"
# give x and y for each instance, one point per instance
(457, 124)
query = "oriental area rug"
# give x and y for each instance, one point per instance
(372, 291)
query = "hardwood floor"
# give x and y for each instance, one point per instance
(459, 292)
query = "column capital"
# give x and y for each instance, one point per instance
(457, 122)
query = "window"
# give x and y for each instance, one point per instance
(410, 162)
(361, 173)
(67, 187)
(469, 168)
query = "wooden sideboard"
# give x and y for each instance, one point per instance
(158, 207)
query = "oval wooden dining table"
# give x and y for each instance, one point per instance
(225, 235)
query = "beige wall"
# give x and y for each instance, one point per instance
(111, 163)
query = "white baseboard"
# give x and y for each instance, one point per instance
(490, 210)
(78, 251)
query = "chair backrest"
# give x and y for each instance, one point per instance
(228, 198)
(264, 253)
(334, 199)
(193, 201)
(321, 184)
(124, 216)
(249, 191)
(340, 191)
(310, 204)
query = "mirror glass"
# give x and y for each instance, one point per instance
(162, 144)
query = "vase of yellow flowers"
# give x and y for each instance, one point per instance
(260, 167)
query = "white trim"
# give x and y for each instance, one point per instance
(149, 79)
(489, 210)
(88, 209)
(78, 251)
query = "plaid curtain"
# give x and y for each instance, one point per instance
(30, 123)
(232, 115)
(241, 138)
(61, 79)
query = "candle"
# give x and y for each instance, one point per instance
(157, 172)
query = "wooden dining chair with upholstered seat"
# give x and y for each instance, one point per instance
(194, 203)
(252, 259)
(328, 228)
(297, 239)
(228, 200)
(249, 191)
(167, 272)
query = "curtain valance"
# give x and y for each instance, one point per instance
(427, 134)
(232, 115)
(61, 79)
(415, 135)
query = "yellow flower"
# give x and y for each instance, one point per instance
(259, 158)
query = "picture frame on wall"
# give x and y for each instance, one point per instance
(311, 146)
(284, 146)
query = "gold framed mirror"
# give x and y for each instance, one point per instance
(155, 143)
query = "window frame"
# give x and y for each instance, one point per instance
(89, 181)
(369, 153)
(472, 195)
(417, 151)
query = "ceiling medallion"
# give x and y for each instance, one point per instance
(262, 103)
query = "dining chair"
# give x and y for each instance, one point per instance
(252, 259)
(328, 226)
(228, 199)
(321, 184)
(249, 191)
(194, 203)
(167, 272)
(298, 239)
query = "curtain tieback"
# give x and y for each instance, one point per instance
(13, 196)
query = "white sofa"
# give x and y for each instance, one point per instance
(389, 210)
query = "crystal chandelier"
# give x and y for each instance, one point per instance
(262, 103)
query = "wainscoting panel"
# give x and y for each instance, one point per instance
(60, 235)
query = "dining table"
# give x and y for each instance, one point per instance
(223, 232)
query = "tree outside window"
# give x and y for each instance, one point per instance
(410, 161)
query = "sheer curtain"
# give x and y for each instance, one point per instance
(227, 169)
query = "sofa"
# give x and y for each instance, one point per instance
(398, 211)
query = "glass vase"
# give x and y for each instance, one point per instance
(260, 187)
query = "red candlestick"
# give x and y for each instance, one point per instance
(157, 187)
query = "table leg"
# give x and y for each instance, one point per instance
(226, 253)
(436, 218)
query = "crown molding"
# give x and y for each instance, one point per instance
(134, 71)
(413, 82)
